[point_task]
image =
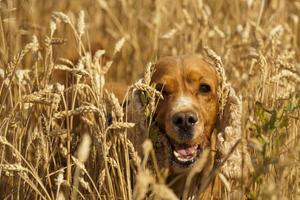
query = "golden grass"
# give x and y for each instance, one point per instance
(55, 142)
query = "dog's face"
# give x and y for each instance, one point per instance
(188, 112)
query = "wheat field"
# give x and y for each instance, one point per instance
(55, 56)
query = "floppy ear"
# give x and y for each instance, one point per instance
(230, 133)
(135, 108)
(139, 111)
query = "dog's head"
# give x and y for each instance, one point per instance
(188, 113)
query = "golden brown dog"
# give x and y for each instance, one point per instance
(185, 119)
(187, 115)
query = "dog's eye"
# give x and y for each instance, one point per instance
(204, 88)
(165, 92)
(161, 88)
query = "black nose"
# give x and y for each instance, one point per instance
(185, 120)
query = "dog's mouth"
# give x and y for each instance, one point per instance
(184, 154)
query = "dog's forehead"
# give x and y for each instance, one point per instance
(196, 64)
(187, 64)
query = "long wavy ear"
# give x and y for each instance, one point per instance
(142, 99)
(229, 131)
(135, 112)
(229, 134)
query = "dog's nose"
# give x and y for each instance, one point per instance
(185, 120)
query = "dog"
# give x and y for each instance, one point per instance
(188, 113)
(184, 120)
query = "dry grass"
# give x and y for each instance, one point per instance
(55, 142)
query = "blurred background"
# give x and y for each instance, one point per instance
(154, 28)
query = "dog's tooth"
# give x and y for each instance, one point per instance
(182, 159)
(176, 154)
(190, 158)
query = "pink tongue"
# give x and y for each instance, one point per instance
(189, 151)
